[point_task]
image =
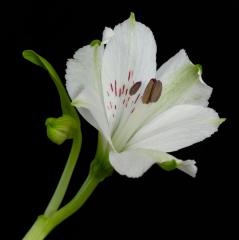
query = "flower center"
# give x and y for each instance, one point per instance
(123, 101)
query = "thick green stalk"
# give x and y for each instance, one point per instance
(66, 175)
(45, 224)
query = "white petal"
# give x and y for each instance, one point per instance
(84, 70)
(178, 127)
(88, 104)
(108, 33)
(83, 82)
(182, 82)
(129, 57)
(132, 163)
(188, 167)
(135, 162)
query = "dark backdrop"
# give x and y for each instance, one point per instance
(158, 205)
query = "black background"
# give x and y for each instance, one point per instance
(160, 204)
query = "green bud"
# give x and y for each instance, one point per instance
(168, 165)
(60, 129)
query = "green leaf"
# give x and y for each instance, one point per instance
(168, 165)
(42, 62)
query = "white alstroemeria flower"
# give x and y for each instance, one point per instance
(101, 82)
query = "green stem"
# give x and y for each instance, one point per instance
(86, 190)
(100, 169)
(44, 224)
(61, 188)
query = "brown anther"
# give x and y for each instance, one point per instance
(152, 91)
(156, 91)
(135, 88)
(147, 91)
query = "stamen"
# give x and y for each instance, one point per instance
(147, 91)
(135, 88)
(156, 91)
(152, 91)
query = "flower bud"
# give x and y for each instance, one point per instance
(60, 129)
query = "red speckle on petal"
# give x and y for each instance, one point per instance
(115, 107)
(119, 92)
(137, 98)
(111, 86)
(123, 89)
(126, 91)
(115, 88)
(130, 74)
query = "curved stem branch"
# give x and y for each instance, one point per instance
(45, 224)
(83, 194)
(65, 177)
(99, 170)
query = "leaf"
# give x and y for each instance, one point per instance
(36, 59)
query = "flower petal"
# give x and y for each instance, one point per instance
(188, 167)
(182, 82)
(84, 70)
(132, 163)
(135, 162)
(83, 82)
(178, 127)
(88, 104)
(129, 57)
(108, 33)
